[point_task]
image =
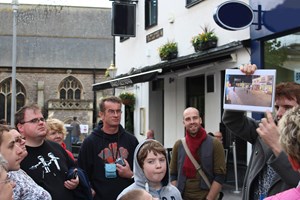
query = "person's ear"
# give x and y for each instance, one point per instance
(20, 128)
(200, 120)
(100, 114)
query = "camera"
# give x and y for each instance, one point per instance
(120, 161)
(72, 175)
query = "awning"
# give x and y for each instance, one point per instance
(183, 63)
(127, 80)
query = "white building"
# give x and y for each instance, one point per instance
(192, 79)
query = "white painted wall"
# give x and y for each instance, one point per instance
(187, 22)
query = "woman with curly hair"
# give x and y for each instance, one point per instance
(289, 127)
(57, 132)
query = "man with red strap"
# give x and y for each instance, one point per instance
(207, 151)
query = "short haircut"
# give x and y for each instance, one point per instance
(150, 146)
(54, 124)
(3, 128)
(289, 90)
(135, 194)
(19, 116)
(113, 99)
(289, 126)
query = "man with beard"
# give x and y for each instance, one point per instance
(207, 151)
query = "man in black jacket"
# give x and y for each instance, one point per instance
(107, 153)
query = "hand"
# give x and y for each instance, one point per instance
(124, 171)
(248, 69)
(72, 183)
(269, 133)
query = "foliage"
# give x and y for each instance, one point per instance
(275, 53)
(128, 99)
(206, 35)
(167, 50)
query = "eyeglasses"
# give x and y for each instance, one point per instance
(35, 120)
(113, 112)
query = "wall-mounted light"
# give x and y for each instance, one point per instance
(112, 70)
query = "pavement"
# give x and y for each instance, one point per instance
(230, 192)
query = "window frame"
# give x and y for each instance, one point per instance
(151, 18)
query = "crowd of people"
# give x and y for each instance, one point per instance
(112, 164)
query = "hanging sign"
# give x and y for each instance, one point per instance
(234, 15)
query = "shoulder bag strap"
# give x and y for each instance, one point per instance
(195, 163)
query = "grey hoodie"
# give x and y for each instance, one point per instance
(167, 192)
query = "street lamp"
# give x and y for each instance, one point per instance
(14, 60)
(112, 70)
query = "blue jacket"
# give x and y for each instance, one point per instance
(83, 190)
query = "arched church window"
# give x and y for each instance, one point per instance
(5, 98)
(70, 88)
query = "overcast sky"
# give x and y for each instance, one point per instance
(88, 3)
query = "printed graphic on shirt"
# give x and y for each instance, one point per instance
(110, 154)
(46, 164)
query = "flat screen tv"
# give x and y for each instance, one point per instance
(123, 19)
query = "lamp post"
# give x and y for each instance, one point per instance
(112, 70)
(14, 60)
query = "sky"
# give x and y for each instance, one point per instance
(87, 3)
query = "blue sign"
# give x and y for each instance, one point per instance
(234, 15)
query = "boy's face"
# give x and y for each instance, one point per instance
(155, 167)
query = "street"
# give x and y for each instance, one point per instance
(244, 96)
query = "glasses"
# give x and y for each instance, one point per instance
(35, 120)
(113, 112)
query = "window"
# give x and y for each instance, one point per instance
(283, 54)
(150, 13)
(70, 88)
(5, 98)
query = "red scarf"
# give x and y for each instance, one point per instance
(194, 144)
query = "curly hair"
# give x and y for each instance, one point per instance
(56, 125)
(289, 127)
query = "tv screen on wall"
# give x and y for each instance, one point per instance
(123, 19)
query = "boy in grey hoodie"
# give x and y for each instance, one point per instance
(151, 171)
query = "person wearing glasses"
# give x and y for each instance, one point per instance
(12, 148)
(6, 185)
(107, 153)
(47, 163)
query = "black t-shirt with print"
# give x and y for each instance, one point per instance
(48, 165)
